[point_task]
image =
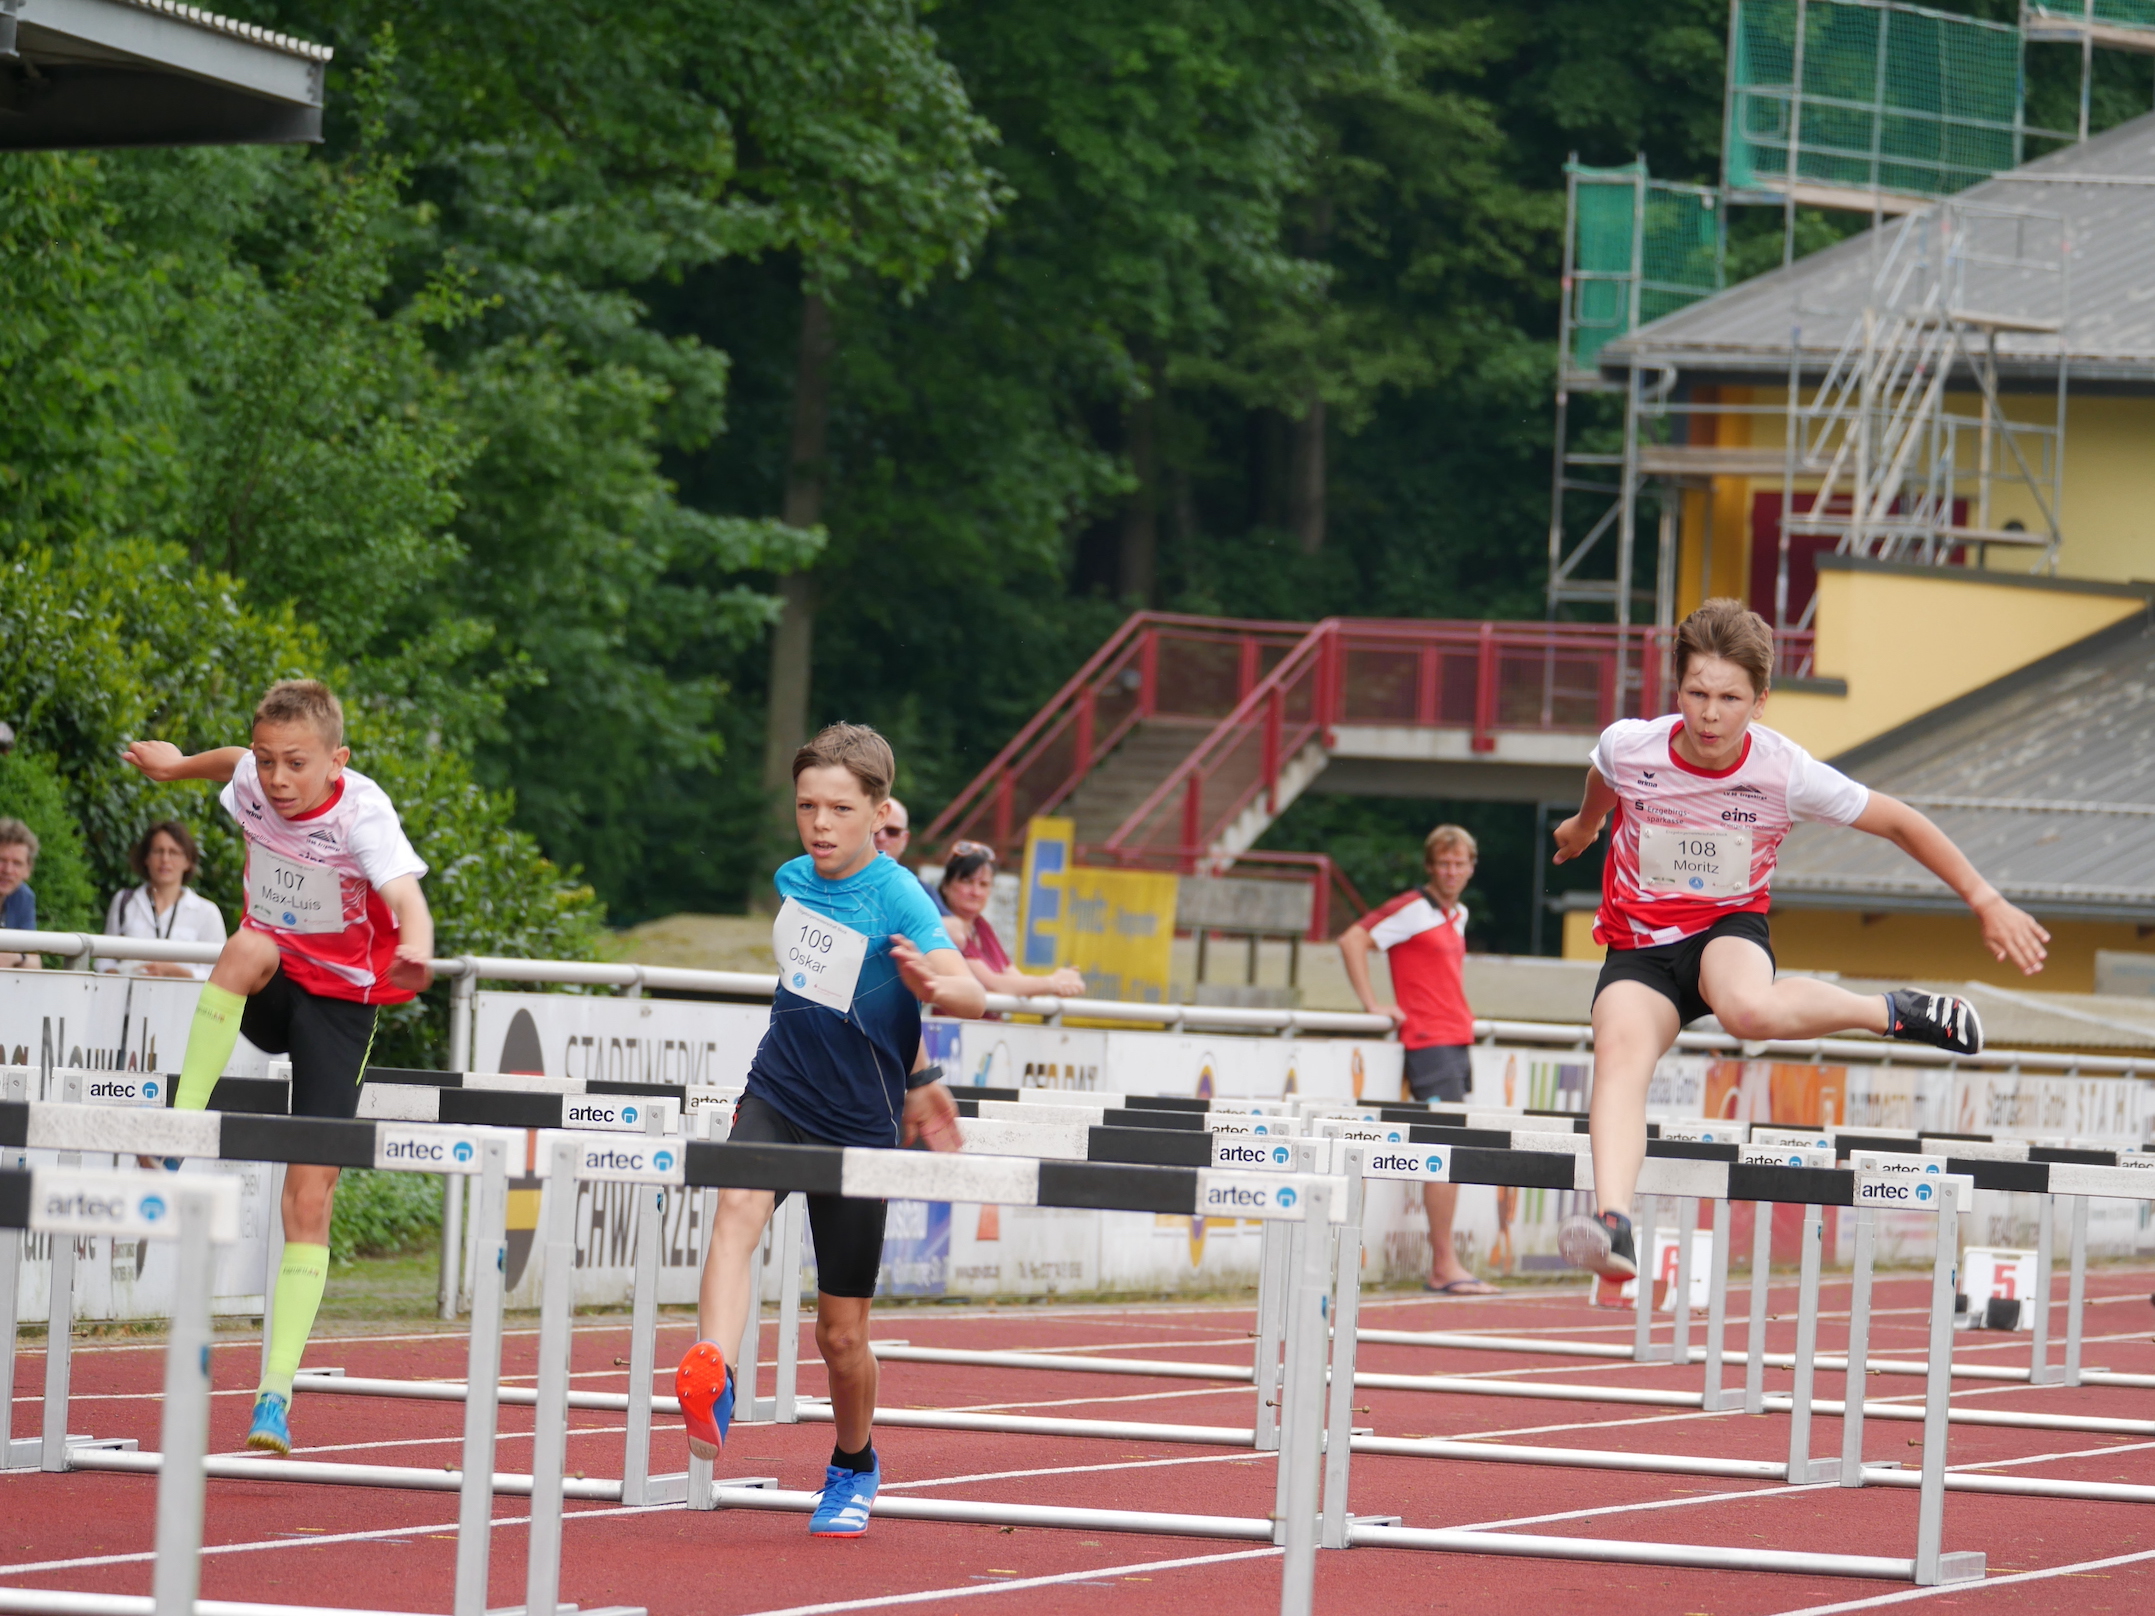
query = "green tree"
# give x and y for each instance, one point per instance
(30, 791)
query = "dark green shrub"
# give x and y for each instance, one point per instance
(380, 1214)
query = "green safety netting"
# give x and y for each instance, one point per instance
(1640, 248)
(1894, 97)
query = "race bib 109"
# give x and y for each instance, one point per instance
(292, 896)
(1697, 863)
(817, 957)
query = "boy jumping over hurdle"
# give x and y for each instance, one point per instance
(857, 943)
(335, 927)
(1701, 803)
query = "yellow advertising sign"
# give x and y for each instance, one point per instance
(1119, 929)
(1050, 850)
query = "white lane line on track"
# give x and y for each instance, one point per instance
(928, 1595)
(1080, 1402)
(2079, 1569)
(1079, 1470)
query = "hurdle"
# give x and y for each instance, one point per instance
(1319, 1201)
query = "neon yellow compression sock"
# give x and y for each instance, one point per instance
(299, 1294)
(209, 1046)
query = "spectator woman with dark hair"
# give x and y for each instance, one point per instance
(968, 883)
(164, 906)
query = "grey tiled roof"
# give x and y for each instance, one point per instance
(2045, 779)
(2103, 190)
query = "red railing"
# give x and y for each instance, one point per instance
(1157, 665)
(1255, 695)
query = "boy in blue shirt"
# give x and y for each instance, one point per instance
(858, 943)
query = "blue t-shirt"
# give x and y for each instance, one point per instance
(19, 912)
(842, 1077)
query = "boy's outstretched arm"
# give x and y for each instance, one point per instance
(2010, 933)
(940, 980)
(1576, 834)
(161, 760)
(413, 967)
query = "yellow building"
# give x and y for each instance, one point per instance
(1974, 613)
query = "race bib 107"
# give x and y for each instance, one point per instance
(291, 896)
(1697, 863)
(817, 957)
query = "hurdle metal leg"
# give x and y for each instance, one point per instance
(1754, 1350)
(1801, 1467)
(2041, 1372)
(1712, 1392)
(650, 1231)
(793, 1221)
(542, 1578)
(1346, 1311)
(184, 1428)
(1933, 1565)
(272, 1249)
(475, 1501)
(59, 1308)
(747, 1406)
(699, 1470)
(1859, 1350)
(1687, 1216)
(1291, 1415)
(1302, 1434)
(1271, 1273)
(2076, 1290)
(1642, 1349)
(13, 1087)
(448, 1287)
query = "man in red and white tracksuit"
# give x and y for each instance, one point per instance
(1423, 936)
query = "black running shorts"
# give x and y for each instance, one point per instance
(328, 1041)
(1672, 969)
(1440, 1072)
(848, 1232)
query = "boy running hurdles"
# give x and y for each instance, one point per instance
(857, 943)
(1701, 802)
(335, 927)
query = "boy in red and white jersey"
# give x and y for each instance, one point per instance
(1423, 935)
(335, 927)
(1701, 803)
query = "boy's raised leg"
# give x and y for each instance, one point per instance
(309, 1192)
(704, 1380)
(244, 967)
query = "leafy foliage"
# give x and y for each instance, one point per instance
(380, 1214)
(66, 896)
(488, 405)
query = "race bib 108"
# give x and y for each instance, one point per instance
(1700, 863)
(817, 957)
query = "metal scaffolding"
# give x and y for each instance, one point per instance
(1897, 443)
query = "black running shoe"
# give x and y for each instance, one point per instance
(1937, 1019)
(1600, 1244)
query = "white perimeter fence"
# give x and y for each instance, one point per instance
(605, 1028)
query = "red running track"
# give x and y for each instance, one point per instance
(395, 1551)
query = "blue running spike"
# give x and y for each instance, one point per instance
(269, 1433)
(842, 1510)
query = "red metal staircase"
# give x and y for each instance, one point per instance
(1182, 738)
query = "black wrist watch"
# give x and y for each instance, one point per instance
(931, 1073)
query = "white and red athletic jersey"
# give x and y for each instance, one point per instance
(1425, 947)
(314, 883)
(1687, 845)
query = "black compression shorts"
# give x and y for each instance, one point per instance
(848, 1232)
(328, 1040)
(1672, 969)
(1440, 1072)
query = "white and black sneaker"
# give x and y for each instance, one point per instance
(1937, 1019)
(1600, 1244)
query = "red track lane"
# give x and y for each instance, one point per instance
(733, 1562)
